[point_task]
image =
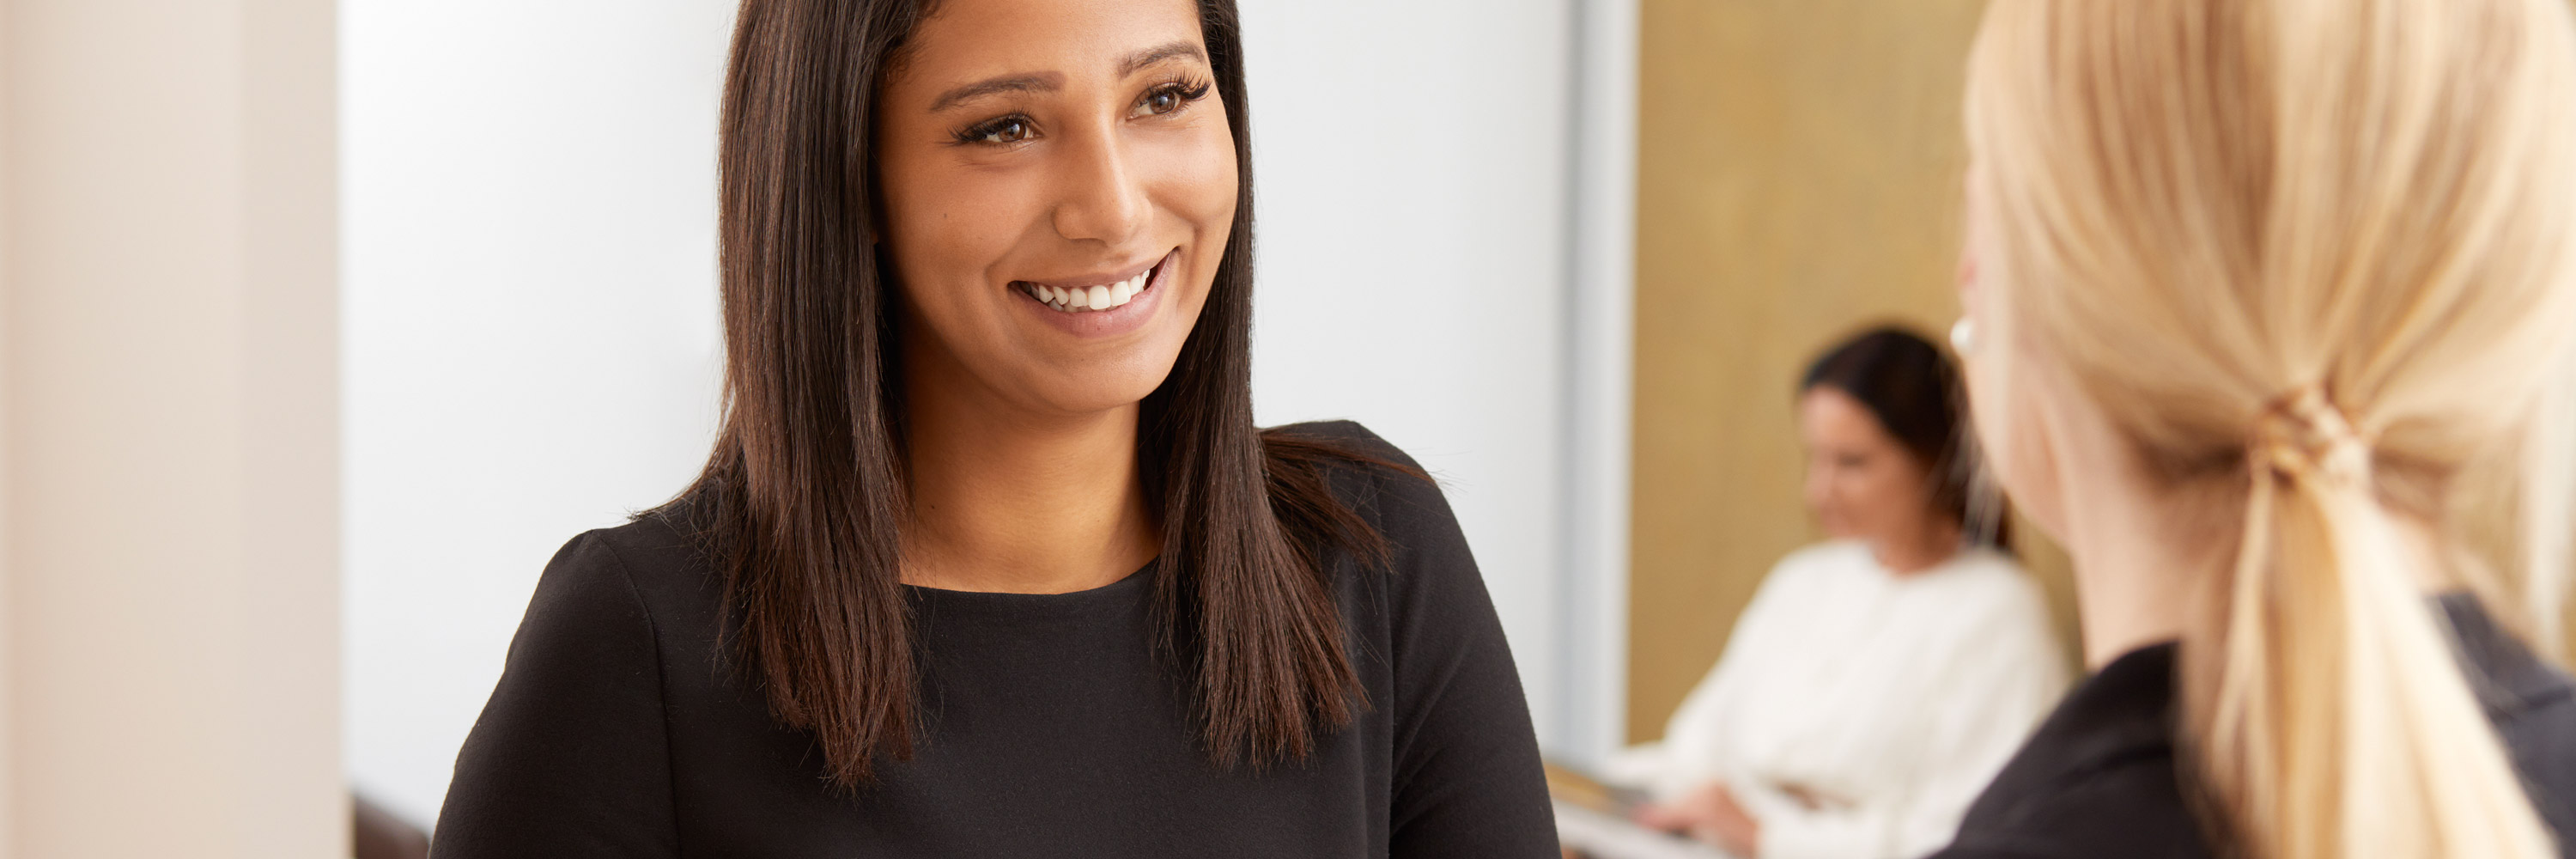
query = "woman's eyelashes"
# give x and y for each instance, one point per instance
(1163, 99)
(1170, 97)
(999, 131)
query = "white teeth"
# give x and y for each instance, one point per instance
(1102, 297)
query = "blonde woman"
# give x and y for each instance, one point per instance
(2269, 313)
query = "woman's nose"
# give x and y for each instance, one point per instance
(1103, 193)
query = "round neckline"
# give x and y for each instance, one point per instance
(1860, 551)
(1116, 592)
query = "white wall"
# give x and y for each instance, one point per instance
(530, 341)
(530, 327)
(1411, 182)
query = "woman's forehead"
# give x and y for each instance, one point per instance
(1046, 41)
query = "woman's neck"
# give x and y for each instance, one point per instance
(2139, 557)
(1005, 501)
(2135, 579)
(1932, 544)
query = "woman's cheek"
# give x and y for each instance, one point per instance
(946, 224)
(1202, 182)
(1888, 500)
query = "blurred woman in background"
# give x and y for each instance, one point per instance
(2271, 315)
(1878, 680)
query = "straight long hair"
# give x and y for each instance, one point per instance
(2311, 259)
(801, 503)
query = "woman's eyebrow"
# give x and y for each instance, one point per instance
(1036, 82)
(1052, 81)
(1150, 56)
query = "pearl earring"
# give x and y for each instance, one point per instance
(1963, 335)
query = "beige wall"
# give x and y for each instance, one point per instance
(8, 654)
(168, 430)
(1797, 173)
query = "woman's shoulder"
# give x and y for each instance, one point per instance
(1358, 447)
(2096, 778)
(1838, 557)
(1984, 586)
(1425, 565)
(1365, 473)
(1832, 566)
(2131, 808)
(1346, 432)
(2531, 702)
(1986, 568)
(654, 561)
(2125, 806)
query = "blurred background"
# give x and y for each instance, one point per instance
(1798, 179)
(421, 290)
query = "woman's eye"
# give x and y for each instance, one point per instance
(1167, 99)
(1158, 102)
(1006, 130)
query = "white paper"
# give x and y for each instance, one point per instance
(1602, 836)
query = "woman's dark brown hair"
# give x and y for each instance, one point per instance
(1914, 390)
(801, 502)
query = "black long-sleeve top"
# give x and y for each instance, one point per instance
(620, 728)
(2097, 780)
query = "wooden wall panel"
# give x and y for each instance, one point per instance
(1798, 165)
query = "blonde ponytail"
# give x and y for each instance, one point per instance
(2339, 723)
(2311, 258)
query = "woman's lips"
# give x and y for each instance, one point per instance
(1122, 306)
(1093, 298)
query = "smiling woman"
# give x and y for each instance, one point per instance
(989, 558)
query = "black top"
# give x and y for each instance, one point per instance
(1051, 727)
(2098, 779)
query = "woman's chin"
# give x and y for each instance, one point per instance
(1089, 394)
(1097, 377)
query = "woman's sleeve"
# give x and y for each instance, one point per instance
(1996, 686)
(569, 758)
(1467, 778)
(1686, 759)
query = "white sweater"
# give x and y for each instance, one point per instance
(1890, 700)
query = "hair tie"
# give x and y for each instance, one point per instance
(2304, 434)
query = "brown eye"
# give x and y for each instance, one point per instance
(998, 132)
(1167, 99)
(1005, 131)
